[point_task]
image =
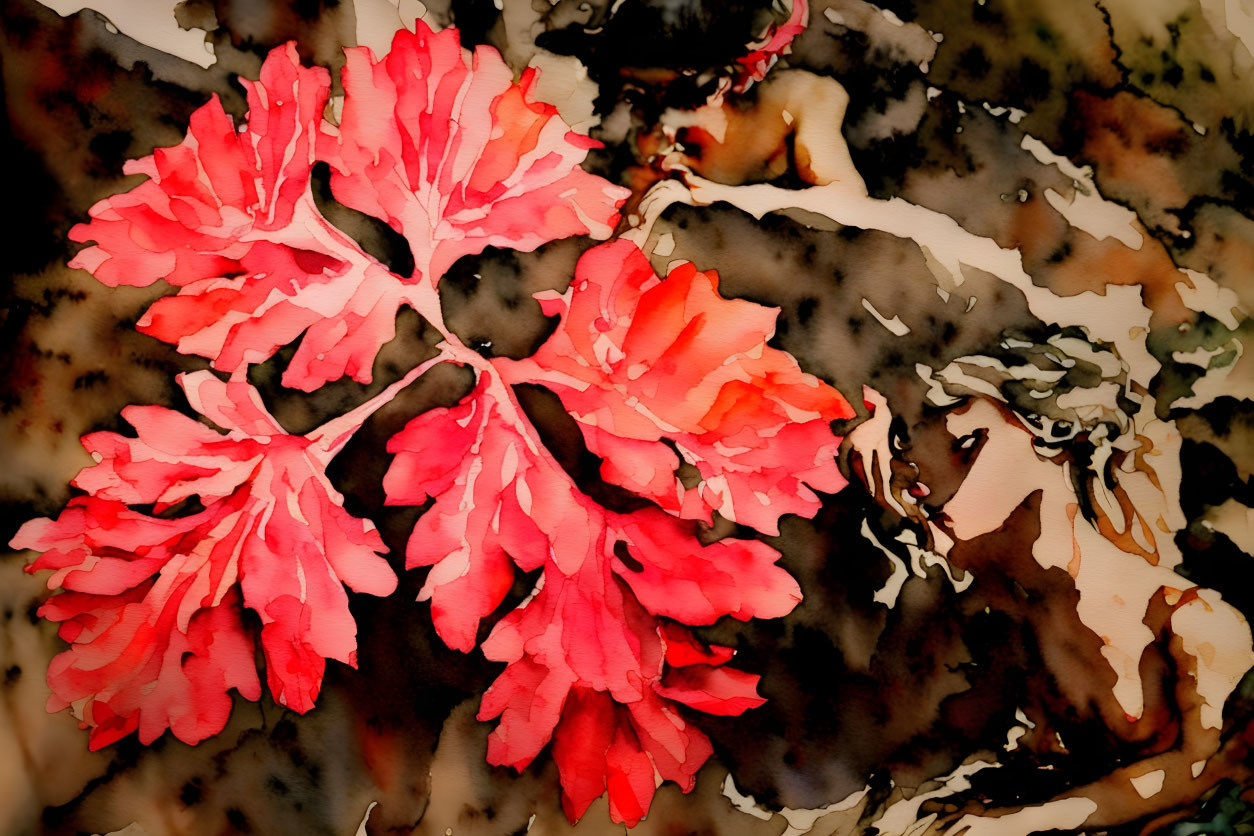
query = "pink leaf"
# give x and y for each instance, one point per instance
(580, 744)
(485, 477)
(682, 649)
(712, 690)
(152, 605)
(528, 698)
(586, 652)
(681, 579)
(455, 156)
(186, 222)
(640, 362)
(229, 219)
(155, 633)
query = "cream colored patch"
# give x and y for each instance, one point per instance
(894, 325)
(379, 20)
(744, 803)
(1233, 520)
(1087, 210)
(1218, 637)
(151, 22)
(799, 821)
(1066, 814)
(1149, 784)
(1231, 377)
(1203, 294)
(1018, 730)
(665, 245)
(563, 82)
(902, 816)
(361, 828)
(1099, 218)
(889, 592)
(1200, 356)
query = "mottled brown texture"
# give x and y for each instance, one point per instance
(1158, 101)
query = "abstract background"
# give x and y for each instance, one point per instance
(921, 685)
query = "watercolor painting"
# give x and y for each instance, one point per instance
(599, 416)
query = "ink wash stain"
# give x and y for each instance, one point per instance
(485, 418)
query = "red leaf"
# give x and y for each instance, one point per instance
(639, 362)
(601, 746)
(147, 653)
(682, 649)
(681, 579)
(456, 157)
(485, 477)
(585, 651)
(347, 309)
(628, 774)
(229, 218)
(144, 592)
(712, 690)
(580, 745)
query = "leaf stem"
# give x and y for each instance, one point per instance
(330, 438)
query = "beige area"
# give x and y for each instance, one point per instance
(151, 22)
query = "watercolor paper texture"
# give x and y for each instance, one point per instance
(571, 417)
